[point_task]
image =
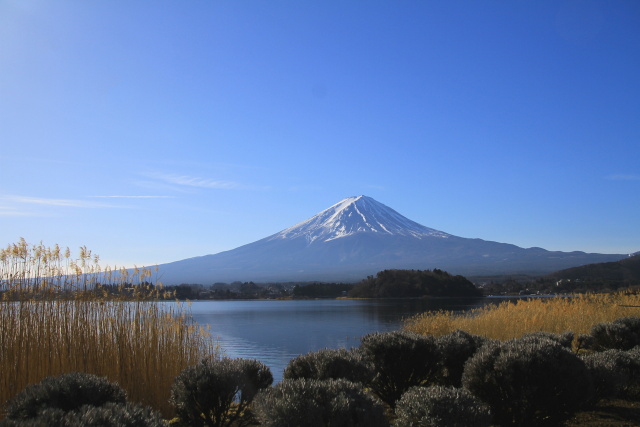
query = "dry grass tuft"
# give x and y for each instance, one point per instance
(514, 319)
(52, 321)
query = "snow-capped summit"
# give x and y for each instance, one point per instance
(358, 237)
(358, 214)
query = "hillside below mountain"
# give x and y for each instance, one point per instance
(626, 270)
(358, 237)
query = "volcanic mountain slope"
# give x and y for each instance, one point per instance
(357, 237)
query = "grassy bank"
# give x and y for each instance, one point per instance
(514, 319)
(53, 322)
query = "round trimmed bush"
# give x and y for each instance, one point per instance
(400, 360)
(318, 403)
(329, 364)
(621, 334)
(528, 381)
(64, 393)
(441, 406)
(218, 392)
(455, 349)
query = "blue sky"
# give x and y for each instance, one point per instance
(156, 131)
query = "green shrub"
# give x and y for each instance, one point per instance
(64, 393)
(528, 381)
(316, 403)
(400, 360)
(455, 349)
(218, 392)
(621, 334)
(438, 406)
(329, 364)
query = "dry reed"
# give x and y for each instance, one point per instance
(514, 319)
(52, 321)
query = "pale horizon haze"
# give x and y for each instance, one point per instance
(152, 132)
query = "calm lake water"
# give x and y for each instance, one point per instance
(275, 332)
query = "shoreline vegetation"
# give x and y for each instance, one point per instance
(512, 319)
(62, 327)
(53, 322)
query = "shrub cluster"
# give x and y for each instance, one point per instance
(565, 339)
(400, 360)
(621, 334)
(318, 403)
(329, 364)
(66, 392)
(528, 381)
(611, 353)
(219, 392)
(457, 379)
(77, 399)
(441, 406)
(454, 350)
(610, 372)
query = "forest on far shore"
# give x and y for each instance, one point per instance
(414, 283)
(396, 283)
(385, 284)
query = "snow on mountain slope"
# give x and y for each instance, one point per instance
(353, 215)
(359, 236)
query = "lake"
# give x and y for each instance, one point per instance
(276, 331)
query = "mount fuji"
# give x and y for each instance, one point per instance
(358, 237)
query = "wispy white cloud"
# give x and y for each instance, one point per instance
(70, 203)
(624, 177)
(17, 205)
(5, 211)
(200, 182)
(159, 181)
(192, 181)
(132, 197)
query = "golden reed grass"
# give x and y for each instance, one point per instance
(52, 321)
(514, 319)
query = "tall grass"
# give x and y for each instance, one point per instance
(54, 321)
(514, 319)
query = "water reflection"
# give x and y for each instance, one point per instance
(275, 331)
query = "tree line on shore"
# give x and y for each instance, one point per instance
(385, 284)
(398, 283)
